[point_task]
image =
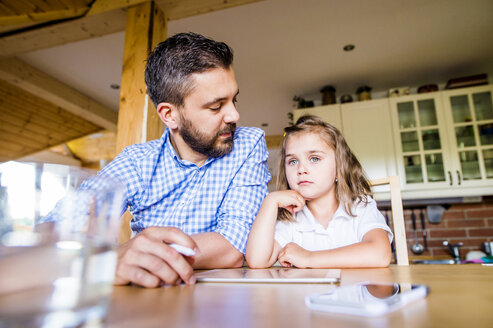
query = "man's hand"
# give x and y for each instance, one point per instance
(147, 260)
(294, 255)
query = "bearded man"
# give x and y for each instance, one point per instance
(201, 184)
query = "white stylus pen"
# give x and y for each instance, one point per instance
(182, 249)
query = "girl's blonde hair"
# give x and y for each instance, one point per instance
(351, 185)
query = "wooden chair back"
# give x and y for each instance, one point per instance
(397, 217)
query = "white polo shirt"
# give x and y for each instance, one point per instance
(342, 230)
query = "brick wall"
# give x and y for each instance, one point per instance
(471, 224)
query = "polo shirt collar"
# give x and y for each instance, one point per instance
(312, 224)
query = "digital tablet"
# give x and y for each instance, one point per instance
(271, 275)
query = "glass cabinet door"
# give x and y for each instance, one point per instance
(420, 141)
(472, 116)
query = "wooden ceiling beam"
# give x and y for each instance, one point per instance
(104, 17)
(47, 156)
(36, 82)
(95, 147)
(29, 124)
(100, 6)
(20, 14)
(62, 33)
(185, 8)
(40, 17)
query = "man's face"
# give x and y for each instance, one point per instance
(207, 120)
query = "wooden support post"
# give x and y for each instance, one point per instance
(146, 26)
(137, 118)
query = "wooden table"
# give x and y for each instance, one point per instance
(461, 296)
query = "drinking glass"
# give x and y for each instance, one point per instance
(57, 245)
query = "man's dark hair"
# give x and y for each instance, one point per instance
(171, 63)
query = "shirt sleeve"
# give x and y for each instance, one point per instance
(121, 169)
(124, 170)
(244, 197)
(371, 218)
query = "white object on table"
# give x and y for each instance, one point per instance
(182, 249)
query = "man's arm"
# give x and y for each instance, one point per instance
(240, 206)
(216, 252)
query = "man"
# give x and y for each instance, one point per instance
(202, 183)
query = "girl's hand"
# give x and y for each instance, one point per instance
(288, 199)
(294, 255)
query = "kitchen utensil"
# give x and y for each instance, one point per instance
(488, 247)
(435, 213)
(423, 228)
(416, 248)
(454, 250)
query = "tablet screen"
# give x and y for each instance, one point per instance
(271, 275)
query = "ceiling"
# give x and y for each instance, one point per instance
(41, 110)
(291, 47)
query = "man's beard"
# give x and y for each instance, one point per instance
(208, 146)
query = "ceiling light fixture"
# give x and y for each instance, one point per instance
(348, 47)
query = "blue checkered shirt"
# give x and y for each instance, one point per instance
(223, 195)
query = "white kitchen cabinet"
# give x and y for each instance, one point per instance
(440, 143)
(421, 141)
(469, 116)
(366, 126)
(444, 142)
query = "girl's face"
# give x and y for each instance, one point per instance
(310, 165)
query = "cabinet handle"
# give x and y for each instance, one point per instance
(450, 177)
(458, 177)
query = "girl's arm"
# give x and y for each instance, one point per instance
(372, 251)
(262, 249)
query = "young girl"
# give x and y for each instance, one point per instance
(323, 215)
